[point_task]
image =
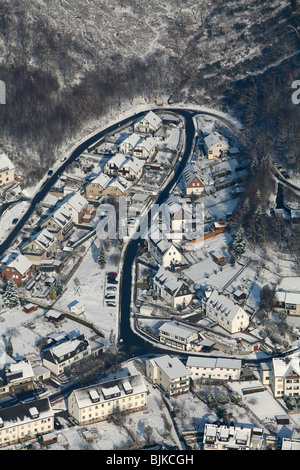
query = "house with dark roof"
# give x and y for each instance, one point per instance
(58, 358)
(172, 289)
(25, 421)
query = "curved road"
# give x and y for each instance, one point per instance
(132, 342)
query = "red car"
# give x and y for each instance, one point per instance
(112, 274)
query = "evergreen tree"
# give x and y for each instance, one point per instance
(101, 257)
(10, 296)
(239, 242)
(9, 348)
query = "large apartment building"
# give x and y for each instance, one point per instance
(99, 402)
(25, 421)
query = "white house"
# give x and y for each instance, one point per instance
(113, 165)
(76, 205)
(225, 312)
(164, 251)
(283, 376)
(169, 373)
(214, 368)
(150, 123)
(129, 144)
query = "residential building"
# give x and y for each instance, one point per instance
(25, 421)
(60, 223)
(130, 143)
(99, 402)
(178, 335)
(7, 170)
(149, 123)
(169, 373)
(232, 437)
(215, 145)
(40, 246)
(214, 368)
(221, 309)
(165, 252)
(113, 165)
(192, 183)
(95, 188)
(76, 205)
(131, 169)
(118, 187)
(172, 289)
(17, 269)
(288, 302)
(283, 376)
(17, 378)
(145, 149)
(60, 357)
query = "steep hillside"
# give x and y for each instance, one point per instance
(67, 63)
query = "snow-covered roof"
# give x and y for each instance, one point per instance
(77, 202)
(177, 329)
(213, 363)
(189, 174)
(121, 183)
(102, 179)
(119, 159)
(224, 305)
(23, 367)
(121, 387)
(132, 140)
(285, 366)
(45, 239)
(214, 138)
(5, 162)
(153, 119)
(20, 263)
(171, 366)
(133, 163)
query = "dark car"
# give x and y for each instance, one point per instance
(50, 172)
(111, 280)
(15, 221)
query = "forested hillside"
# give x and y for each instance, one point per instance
(67, 63)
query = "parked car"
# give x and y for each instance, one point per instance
(110, 304)
(111, 288)
(110, 296)
(112, 274)
(111, 280)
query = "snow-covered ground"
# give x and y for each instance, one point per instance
(88, 286)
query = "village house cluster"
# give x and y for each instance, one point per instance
(193, 298)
